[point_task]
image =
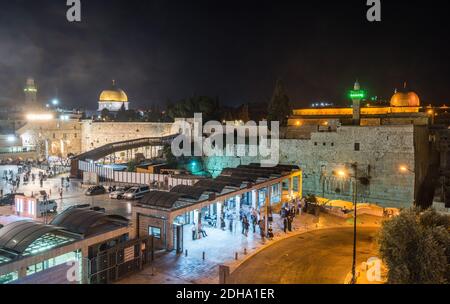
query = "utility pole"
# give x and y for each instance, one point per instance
(355, 202)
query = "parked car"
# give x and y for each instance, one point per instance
(95, 190)
(119, 193)
(46, 206)
(9, 199)
(136, 192)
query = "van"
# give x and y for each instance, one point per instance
(44, 207)
(136, 192)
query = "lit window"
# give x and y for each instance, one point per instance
(155, 232)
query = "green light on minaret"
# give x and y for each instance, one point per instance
(357, 94)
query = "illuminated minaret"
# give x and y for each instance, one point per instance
(357, 95)
(30, 93)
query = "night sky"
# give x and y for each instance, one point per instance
(235, 50)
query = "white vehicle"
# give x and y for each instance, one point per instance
(136, 192)
(118, 194)
(44, 207)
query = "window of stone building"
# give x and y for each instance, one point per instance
(324, 144)
(315, 144)
(75, 135)
(332, 144)
(357, 147)
(54, 135)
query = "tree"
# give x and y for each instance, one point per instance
(416, 247)
(168, 155)
(132, 166)
(185, 108)
(279, 108)
(105, 114)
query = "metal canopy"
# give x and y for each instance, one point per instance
(82, 221)
(189, 191)
(231, 181)
(161, 199)
(18, 236)
(212, 185)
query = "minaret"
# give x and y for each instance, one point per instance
(30, 91)
(357, 95)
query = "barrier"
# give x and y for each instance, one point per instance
(109, 175)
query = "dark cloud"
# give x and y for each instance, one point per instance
(166, 50)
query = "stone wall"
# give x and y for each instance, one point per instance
(97, 134)
(382, 150)
(53, 137)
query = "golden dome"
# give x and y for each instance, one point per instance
(401, 99)
(113, 95)
(405, 98)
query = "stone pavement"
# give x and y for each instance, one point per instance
(220, 248)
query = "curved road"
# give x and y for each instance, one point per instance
(317, 257)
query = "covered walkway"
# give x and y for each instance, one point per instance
(182, 219)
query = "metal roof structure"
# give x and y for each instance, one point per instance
(235, 179)
(28, 237)
(161, 199)
(189, 191)
(87, 222)
(212, 185)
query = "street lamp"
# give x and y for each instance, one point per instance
(405, 169)
(354, 179)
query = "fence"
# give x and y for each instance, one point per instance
(109, 175)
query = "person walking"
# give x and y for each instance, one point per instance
(222, 223)
(285, 223)
(194, 231)
(245, 225)
(262, 229)
(230, 224)
(203, 231)
(61, 193)
(254, 222)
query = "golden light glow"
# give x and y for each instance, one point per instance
(117, 95)
(341, 173)
(430, 112)
(39, 117)
(403, 169)
(349, 111)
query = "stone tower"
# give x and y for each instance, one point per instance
(30, 91)
(356, 96)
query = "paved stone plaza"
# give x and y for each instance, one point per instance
(221, 248)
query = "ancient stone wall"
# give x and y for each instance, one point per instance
(378, 150)
(97, 134)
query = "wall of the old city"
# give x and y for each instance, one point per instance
(97, 134)
(56, 137)
(382, 150)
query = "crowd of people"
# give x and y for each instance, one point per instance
(12, 180)
(251, 220)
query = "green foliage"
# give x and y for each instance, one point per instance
(208, 106)
(167, 152)
(105, 114)
(279, 107)
(415, 247)
(132, 166)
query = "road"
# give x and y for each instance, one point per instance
(73, 195)
(317, 257)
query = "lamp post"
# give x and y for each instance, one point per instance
(354, 179)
